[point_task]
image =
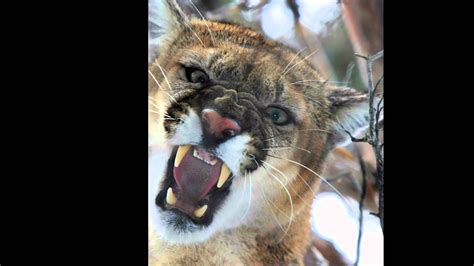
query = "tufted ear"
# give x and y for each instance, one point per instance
(164, 18)
(350, 110)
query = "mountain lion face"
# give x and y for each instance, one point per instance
(245, 124)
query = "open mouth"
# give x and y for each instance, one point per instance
(195, 185)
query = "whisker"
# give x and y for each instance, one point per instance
(154, 105)
(152, 111)
(152, 99)
(153, 108)
(195, 34)
(156, 81)
(310, 188)
(251, 156)
(296, 55)
(311, 170)
(288, 147)
(314, 129)
(275, 206)
(309, 98)
(280, 172)
(316, 80)
(299, 62)
(289, 197)
(243, 190)
(250, 197)
(300, 197)
(205, 21)
(272, 133)
(164, 75)
(308, 80)
(277, 149)
(310, 129)
(270, 208)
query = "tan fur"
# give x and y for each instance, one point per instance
(235, 47)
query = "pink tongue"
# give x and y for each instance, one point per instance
(195, 177)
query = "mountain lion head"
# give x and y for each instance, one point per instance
(243, 124)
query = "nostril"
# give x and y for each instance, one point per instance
(230, 132)
(219, 126)
(228, 128)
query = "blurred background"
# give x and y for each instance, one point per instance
(339, 29)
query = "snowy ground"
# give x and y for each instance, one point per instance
(338, 223)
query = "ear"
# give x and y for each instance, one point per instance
(164, 18)
(350, 110)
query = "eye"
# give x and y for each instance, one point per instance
(277, 115)
(195, 75)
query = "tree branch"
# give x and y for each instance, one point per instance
(354, 139)
(372, 136)
(361, 203)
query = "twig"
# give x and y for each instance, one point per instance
(354, 139)
(361, 203)
(372, 136)
(378, 83)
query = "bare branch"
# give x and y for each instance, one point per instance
(378, 83)
(362, 56)
(361, 202)
(380, 102)
(372, 136)
(375, 214)
(354, 139)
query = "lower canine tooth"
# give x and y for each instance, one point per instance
(182, 150)
(170, 197)
(200, 212)
(225, 173)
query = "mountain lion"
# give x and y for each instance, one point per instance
(237, 142)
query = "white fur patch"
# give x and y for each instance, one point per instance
(189, 132)
(232, 152)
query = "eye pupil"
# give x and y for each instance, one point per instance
(275, 116)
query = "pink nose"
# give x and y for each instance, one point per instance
(219, 126)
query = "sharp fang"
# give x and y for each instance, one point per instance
(182, 150)
(200, 212)
(170, 197)
(225, 173)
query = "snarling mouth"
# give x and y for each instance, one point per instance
(196, 184)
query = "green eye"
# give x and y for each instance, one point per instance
(277, 115)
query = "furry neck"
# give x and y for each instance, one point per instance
(240, 246)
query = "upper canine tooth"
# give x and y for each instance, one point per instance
(182, 150)
(200, 212)
(225, 173)
(170, 197)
